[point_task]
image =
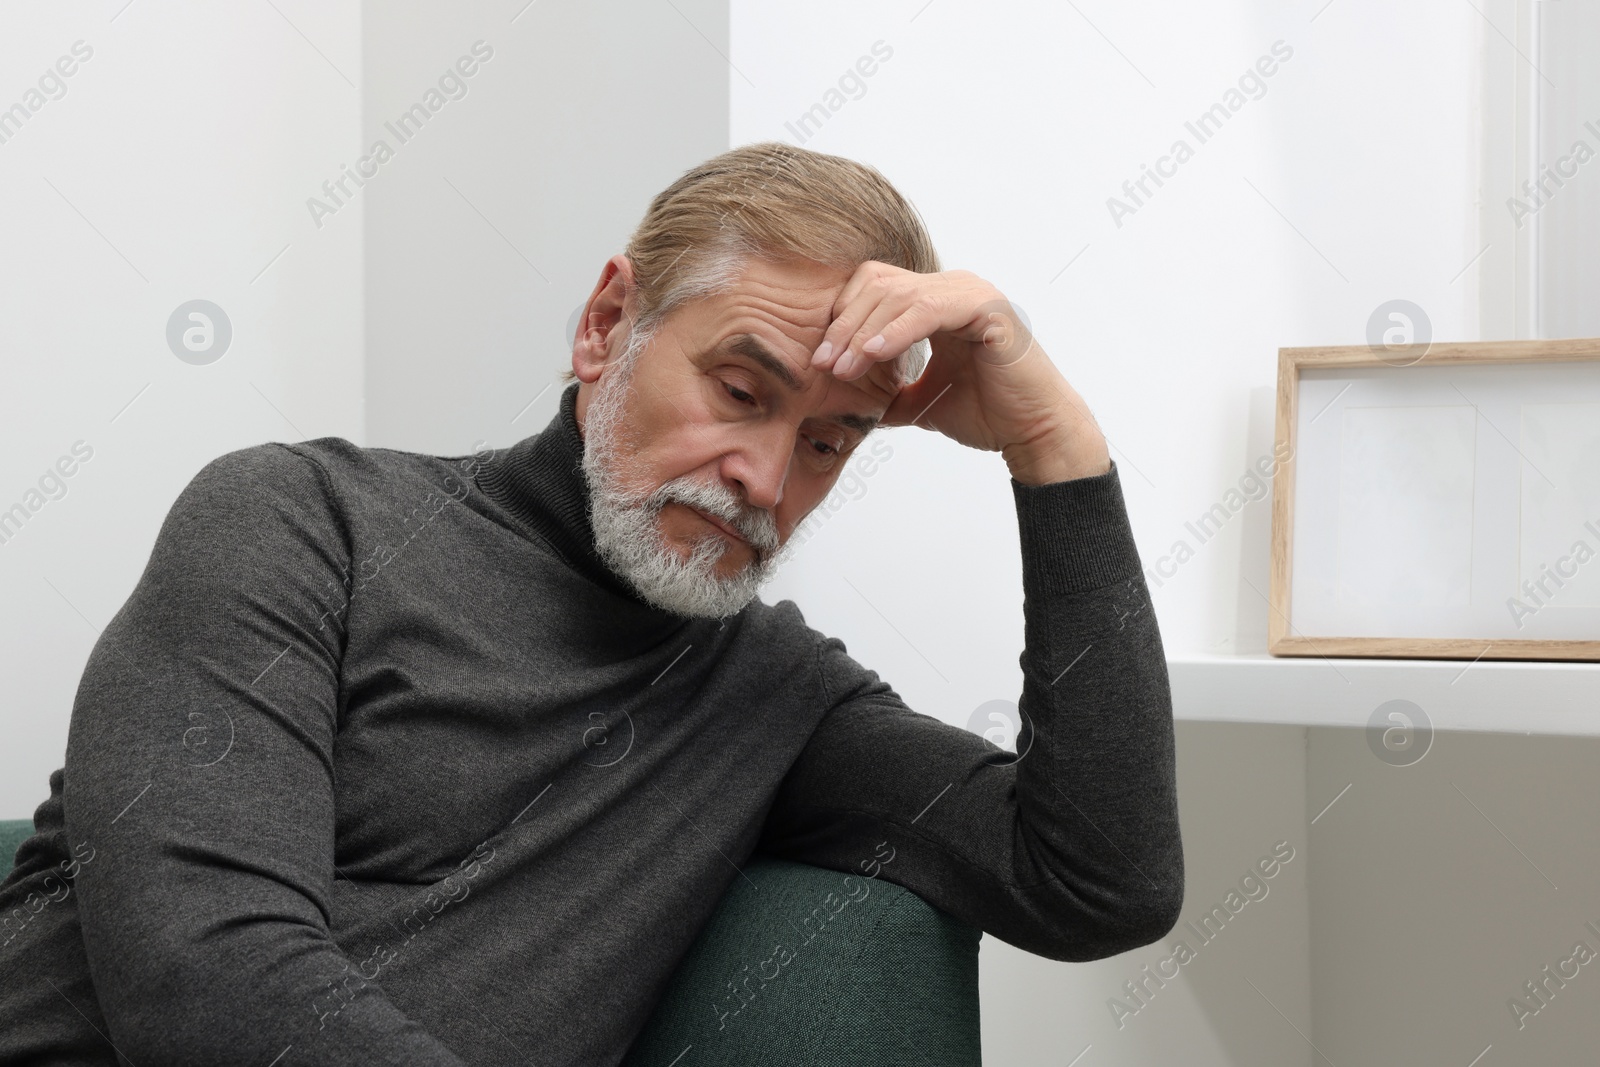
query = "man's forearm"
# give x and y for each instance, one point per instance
(1097, 787)
(1070, 850)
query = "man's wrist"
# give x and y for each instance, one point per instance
(1059, 458)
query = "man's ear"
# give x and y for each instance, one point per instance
(597, 339)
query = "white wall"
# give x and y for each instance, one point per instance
(489, 228)
(1010, 125)
(175, 166)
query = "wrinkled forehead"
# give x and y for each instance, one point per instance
(795, 294)
(774, 315)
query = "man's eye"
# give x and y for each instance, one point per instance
(822, 448)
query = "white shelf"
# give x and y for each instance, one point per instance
(1492, 695)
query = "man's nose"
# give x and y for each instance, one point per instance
(761, 468)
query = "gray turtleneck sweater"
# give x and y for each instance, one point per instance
(380, 764)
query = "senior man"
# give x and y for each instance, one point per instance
(395, 758)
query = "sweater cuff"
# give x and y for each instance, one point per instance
(1075, 534)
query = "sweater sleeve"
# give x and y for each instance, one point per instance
(1070, 849)
(200, 768)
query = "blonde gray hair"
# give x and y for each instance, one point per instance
(777, 202)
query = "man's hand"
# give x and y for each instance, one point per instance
(988, 384)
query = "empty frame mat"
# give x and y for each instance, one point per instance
(1447, 508)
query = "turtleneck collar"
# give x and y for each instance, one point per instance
(540, 482)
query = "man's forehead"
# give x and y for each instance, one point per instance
(794, 296)
(798, 284)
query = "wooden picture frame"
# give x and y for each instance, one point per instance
(1378, 368)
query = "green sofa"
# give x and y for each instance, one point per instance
(887, 980)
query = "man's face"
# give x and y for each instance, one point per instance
(708, 453)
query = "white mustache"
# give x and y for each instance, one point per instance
(756, 525)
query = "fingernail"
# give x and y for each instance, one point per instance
(874, 344)
(846, 362)
(820, 356)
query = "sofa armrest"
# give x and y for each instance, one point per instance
(13, 832)
(805, 965)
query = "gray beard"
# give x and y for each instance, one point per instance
(626, 522)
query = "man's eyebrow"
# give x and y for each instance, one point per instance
(751, 348)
